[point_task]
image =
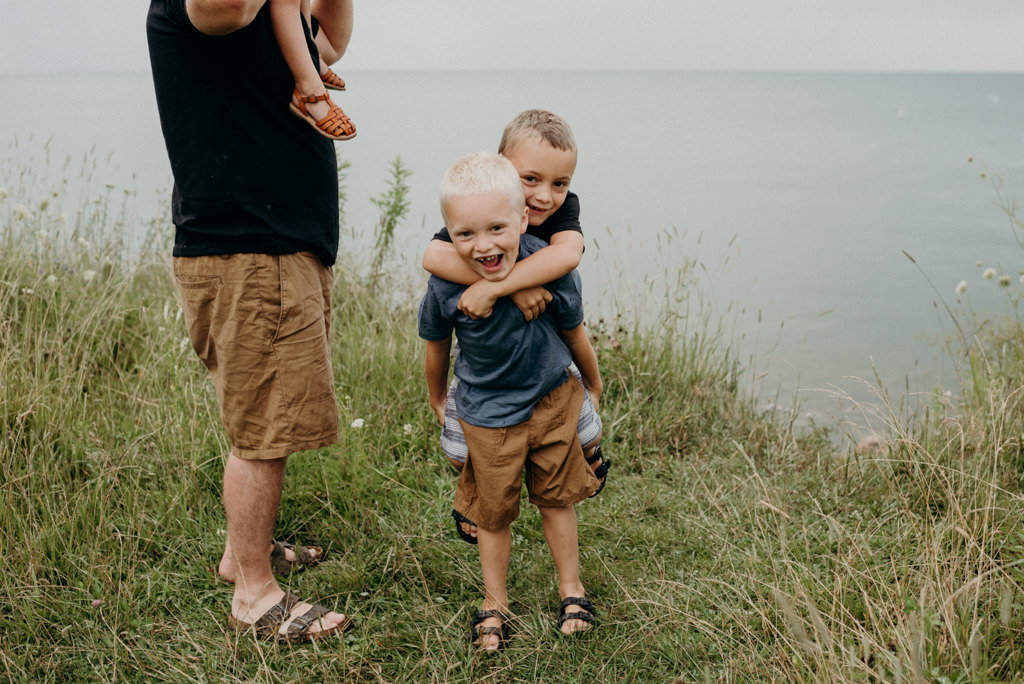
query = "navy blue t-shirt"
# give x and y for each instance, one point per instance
(249, 176)
(506, 364)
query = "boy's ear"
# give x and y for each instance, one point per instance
(526, 220)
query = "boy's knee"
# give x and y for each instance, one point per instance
(458, 465)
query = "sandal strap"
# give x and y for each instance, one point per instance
(583, 603)
(484, 614)
(300, 624)
(278, 613)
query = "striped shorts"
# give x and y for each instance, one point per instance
(453, 441)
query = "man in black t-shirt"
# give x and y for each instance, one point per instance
(255, 210)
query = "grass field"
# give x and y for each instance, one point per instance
(726, 546)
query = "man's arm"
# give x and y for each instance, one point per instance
(220, 17)
(540, 268)
(335, 18)
(586, 360)
(435, 368)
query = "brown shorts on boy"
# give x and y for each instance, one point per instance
(547, 444)
(261, 324)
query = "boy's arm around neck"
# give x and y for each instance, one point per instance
(441, 259)
(531, 274)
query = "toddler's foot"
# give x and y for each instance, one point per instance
(322, 114)
(331, 79)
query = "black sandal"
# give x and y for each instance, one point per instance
(587, 615)
(601, 472)
(476, 632)
(459, 520)
(305, 557)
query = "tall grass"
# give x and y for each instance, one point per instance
(726, 546)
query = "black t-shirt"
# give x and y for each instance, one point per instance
(249, 176)
(566, 217)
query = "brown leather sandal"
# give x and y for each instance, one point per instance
(332, 80)
(336, 125)
(269, 624)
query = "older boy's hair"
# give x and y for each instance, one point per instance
(479, 173)
(551, 128)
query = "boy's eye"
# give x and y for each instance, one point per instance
(561, 184)
(529, 179)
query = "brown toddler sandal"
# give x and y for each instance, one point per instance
(332, 80)
(336, 125)
(269, 624)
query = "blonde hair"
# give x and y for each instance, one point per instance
(551, 128)
(482, 172)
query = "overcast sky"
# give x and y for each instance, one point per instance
(902, 35)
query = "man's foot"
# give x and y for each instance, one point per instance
(576, 615)
(289, 621)
(284, 559)
(465, 527)
(489, 630)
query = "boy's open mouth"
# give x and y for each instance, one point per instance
(491, 263)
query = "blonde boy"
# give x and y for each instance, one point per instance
(515, 392)
(542, 148)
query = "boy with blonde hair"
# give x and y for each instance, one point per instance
(515, 392)
(542, 148)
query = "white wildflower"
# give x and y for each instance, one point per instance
(44, 235)
(358, 423)
(989, 274)
(1022, 278)
(1004, 280)
(21, 212)
(51, 280)
(82, 242)
(88, 275)
(407, 428)
(27, 291)
(4, 194)
(979, 263)
(961, 287)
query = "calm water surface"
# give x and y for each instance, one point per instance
(798, 194)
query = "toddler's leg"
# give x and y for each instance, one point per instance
(589, 428)
(562, 536)
(495, 549)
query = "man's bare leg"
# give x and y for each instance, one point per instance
(252, 494)
(495, 550)
(562, 535)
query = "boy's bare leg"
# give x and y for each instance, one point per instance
(335, 18)
(562, 535)
(495, 550)
(252, 494)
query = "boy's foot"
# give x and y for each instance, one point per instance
(331, 79)
(600, 465)
(489, 630)
(576, 615)
(291, 621)
(323, 115)
(465, 527)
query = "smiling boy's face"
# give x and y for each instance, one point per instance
(485, 230)
(545, 171)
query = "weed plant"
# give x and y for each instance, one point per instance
(726, 547)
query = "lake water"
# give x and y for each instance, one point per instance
(798, 194)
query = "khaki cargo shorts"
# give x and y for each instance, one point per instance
(261, 325)
(547, 445)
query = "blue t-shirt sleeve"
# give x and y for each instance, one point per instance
(433, 324)
(567, 296)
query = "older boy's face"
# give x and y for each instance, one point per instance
(485, 230)
(546, 172)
